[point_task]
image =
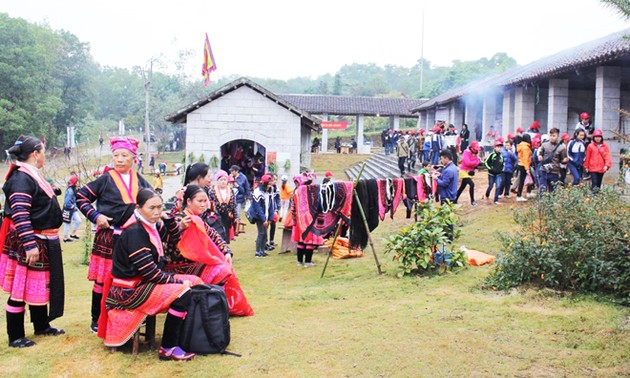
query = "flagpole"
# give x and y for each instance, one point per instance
(422, 52)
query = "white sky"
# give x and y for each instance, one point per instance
(282, 39)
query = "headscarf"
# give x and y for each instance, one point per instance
(219, 174)
(130, 144)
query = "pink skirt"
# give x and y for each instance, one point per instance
(101, 257)
(25, 283)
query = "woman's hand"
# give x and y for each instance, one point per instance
(185, 223)
(228, 258)
(102, 221)
(32, 256)
(187, 283)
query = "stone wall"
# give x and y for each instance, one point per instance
(247, 114)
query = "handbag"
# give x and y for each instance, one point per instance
(528, 180)
(66, 214)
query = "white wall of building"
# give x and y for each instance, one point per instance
(246, 114)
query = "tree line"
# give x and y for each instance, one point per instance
(49, 80)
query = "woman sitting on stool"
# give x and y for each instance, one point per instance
(138, 287)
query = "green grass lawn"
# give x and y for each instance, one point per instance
(354, 322)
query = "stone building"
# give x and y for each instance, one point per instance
(244, 115)
(593, 77)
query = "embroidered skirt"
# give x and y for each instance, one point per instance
(101, 257)
(25, 283)
(128, 307)
(209, 274)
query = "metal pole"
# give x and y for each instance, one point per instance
(422, 53)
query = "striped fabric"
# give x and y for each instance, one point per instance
(20, 204)
(142, 259)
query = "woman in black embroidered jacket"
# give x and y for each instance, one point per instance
(31, 267)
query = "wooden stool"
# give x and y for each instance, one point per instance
(149, 336)
(241, 228)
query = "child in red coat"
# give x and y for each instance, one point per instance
(598, 159)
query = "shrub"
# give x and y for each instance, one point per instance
(214, 162)
(570, 240)
(272, 167)
(425, 246)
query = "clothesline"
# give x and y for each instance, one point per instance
(318, 208)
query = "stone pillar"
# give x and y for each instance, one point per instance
(359, 134)
(607, 99)
(524, 107)
(470, 116)
(324, 147)
(508, 113)
(395, 122)
(489, 114)
(458, 115)
(430, 119)
(558, 110)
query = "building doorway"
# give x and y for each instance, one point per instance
(249, 156)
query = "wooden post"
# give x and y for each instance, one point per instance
(338, 230)
(367, 230)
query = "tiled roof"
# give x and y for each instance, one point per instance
(599, 51)
(307, 119)
(346, 105)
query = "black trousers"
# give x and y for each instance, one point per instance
(173, 323)
(467, 182)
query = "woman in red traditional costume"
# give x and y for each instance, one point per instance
(31, 266)
(116, 193)
(224, 203)
(305, 244)
(138, 287)
(202, 252)
(199, 174)
(186, 256)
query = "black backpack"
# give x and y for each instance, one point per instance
(206, 329)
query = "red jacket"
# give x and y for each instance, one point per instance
(597, 156)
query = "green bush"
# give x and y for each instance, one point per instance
(272, 167)
(570, 240)
(425, 246)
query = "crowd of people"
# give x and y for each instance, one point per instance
(524, 161)
(144, 259)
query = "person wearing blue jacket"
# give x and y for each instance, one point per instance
(510, 160)
(242, 187)
(494, 163)
(70, 205)
(262, 211)
(426, 148)
(447, 179)
(576, 151)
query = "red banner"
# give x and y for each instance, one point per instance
(334, 125)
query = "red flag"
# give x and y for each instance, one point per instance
(208, 62)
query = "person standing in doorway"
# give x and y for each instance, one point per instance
(242, 185)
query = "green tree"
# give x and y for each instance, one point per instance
(621, 6)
